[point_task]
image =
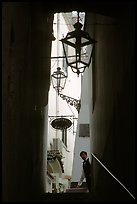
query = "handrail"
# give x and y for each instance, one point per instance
(113, 176)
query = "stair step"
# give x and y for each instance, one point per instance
(76, 190)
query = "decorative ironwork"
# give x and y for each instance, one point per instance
(61, 123)
(58, 81)
(72, 101)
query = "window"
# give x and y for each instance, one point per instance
(83, 130)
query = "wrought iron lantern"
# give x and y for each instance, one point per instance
(58, 80)
(78, 48)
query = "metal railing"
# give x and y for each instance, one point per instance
(113, 176)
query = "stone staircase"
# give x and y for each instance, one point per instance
(70, 195)
(81, 194)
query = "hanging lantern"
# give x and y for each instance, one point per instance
(58, 80)
(78, 47)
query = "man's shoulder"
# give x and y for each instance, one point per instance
(88, 160)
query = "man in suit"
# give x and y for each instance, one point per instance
(86, 172)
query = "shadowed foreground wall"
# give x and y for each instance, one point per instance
(113, 102)
(26, 42)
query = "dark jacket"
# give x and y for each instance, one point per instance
(87, 168)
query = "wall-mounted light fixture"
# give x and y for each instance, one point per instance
(58, 80)
(79, 44)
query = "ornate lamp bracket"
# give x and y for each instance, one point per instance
(72, 101)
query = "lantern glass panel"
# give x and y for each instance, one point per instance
(78, 59)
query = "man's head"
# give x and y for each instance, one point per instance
(83, 155)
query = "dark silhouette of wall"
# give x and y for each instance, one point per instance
(113, 113)
(26, 48)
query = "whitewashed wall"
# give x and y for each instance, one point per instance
(82, 143)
